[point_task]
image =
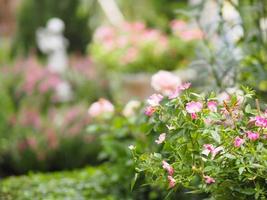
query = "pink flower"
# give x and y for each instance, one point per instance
(161, 138)
(104, 33)
(130, 55)
(149, 110)
(154, 99)
(178, 25)
(212, 106)
(226, 96)
(178, 90)
(165, 82)
(260, 121)
(167, 167)
(172, 181)
(193, 107)
(194, 34)
(209, 180)
(252, 135)
(210, 149)
(184, 31)
(238, 142)
(100, 107)
(193, 115)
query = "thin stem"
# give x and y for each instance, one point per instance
(258, 106)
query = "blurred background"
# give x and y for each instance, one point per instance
(59, 57)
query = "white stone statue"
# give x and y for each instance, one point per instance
(52, 42)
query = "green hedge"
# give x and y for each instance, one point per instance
(83, 184)
(101, 182)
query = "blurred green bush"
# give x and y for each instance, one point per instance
(90, 183)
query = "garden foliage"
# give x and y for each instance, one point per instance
(214, 144)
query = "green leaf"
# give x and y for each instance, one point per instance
(208, 168)
(157, 155)
(230, 156)
(240, 170)
(248, 109)
(92, 129)
(216, 136)
(134, 181)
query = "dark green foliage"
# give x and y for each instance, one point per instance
(106, 182)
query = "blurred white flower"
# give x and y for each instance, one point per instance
(130, 108)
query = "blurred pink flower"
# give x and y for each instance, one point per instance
(178, 90)
(178, 25)
(167, 167)
(253, 135)
(72, 114)
(238, 142)
(30, 117)
(260, 121)
(149, 110)
(150, 35)
(212, 106)
(165, 82)
(155, 99)
(100, 107)
(161, 138)
(209, 180)
(133, 26)
(49, 83)
(193, 34)
(172, 181)
(130, 56)
(183, 30)
(193, 115)
(104, 33)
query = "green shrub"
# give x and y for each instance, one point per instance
(100, 182)
(212, 144)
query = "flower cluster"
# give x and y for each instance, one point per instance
(167, 84)
(185, 31)
(131, 37)
(204, 138)
(133, 47)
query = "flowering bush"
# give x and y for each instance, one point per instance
(137, 48)
(206, 145)
(117, 130)
(39, 131)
